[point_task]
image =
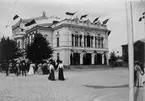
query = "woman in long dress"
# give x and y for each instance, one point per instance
(139, 77)
(60, 71)
(40, 72)
(51, 70)
(31, 69)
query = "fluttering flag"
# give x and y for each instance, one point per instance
(30, 23)
(140, 19)
(71, 14)
(95, 20)
(55, 22)
(143, 13)
(105, 21)
(83, 16)
(15, 17)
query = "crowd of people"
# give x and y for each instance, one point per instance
(25, 68)
(138, 74)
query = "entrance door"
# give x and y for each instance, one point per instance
(87, 59)
(99, 58)
(95, 59)
(76, 58)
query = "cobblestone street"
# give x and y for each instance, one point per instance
(80, 85)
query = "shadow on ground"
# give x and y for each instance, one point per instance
(103, 87)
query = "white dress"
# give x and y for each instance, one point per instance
(31, 69)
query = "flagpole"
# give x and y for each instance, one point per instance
(130, 48)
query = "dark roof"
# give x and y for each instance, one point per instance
(141, 40)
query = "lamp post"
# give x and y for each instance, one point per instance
(140, 19)
(129, 19)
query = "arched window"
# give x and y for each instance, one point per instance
(88, 40)
(76, 40)
(91, 41)
(95, 41)
(99, 42)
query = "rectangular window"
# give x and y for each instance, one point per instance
(72, 40)
(18, 44)
(80, 41)
(102, 43)
(77, 41)
(57, 41)
(84, 41)
(57, 55)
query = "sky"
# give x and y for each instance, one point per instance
(113, 9)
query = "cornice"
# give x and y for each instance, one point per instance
(78, 26)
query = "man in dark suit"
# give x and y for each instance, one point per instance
(23, 67)
(6, 66)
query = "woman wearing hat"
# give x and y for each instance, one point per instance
(138, 75)
(60, 71)
(51, 69)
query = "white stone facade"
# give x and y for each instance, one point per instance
(74, 42)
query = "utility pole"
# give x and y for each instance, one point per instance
(129, 19)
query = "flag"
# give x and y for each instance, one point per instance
(140, 19)
(55, 22)
(95, 20)
(71, 14)
(83, 16)
(15, 17)
(143, 13)
(105, 21)
(30, 23)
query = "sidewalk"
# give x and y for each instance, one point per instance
(139, 95)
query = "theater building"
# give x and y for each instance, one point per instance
(74, 42)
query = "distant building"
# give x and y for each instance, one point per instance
(74, 42)
(139, 51)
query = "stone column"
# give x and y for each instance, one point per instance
(107, 60)
(82, 42)
(93, 56)
(94, 42)
(102, 58)
(81, 58)
(96, 57)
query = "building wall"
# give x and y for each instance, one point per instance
(139, 53)
(65, 43)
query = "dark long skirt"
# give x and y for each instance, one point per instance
(60, 74)
(51, 75)
(135, 77)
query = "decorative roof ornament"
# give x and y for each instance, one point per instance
(98, 22)
(76, 19)
(87, 21)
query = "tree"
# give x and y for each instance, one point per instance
(39, 49)
(9, 49)
(113, 58)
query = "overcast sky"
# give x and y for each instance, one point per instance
(114, 9)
